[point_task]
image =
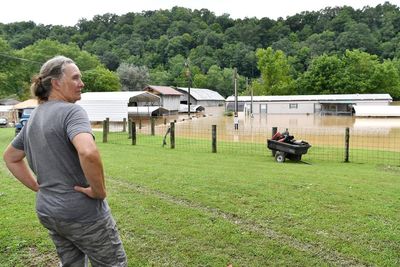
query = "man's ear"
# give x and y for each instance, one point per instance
(55, 83)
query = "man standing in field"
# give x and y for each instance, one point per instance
(59, 146)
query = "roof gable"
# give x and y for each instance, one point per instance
(162, 90)
(202, 94)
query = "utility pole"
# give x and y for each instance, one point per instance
(189, 77)
(251, 97)
(235, 88)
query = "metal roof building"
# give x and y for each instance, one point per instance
(377, 111)
(200, 96)
(170, 98)
(114, 105)
(341, 104)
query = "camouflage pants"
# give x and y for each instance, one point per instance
(99, 241)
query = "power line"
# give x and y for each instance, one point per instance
(21, 59)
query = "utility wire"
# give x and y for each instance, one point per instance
(21, 59)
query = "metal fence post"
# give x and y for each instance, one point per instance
(214, 138)
(172, 135)
(347, 144)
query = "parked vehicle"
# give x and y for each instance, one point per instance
(23, 118)
(3, 122)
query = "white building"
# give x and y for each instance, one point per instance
(169, 96)
(306, 104)
(114, 105)
(201, 97)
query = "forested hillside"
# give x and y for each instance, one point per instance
(334, 50)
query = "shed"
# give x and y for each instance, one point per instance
(376, 111)
(30, 103)
(340, 104)
(201, 97)
(8, 102)
(114, 105)
(147, 111)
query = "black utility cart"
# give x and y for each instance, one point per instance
(292, 151)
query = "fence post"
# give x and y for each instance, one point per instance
(124, 125)
(214, 138)
(153, 123)
(108, 125)
(347, 144)
(133, 126)
(129, 128)
(172, 135)
(104, 131)
(140, 123)
(274, 131)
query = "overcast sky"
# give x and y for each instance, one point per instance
(68, 12)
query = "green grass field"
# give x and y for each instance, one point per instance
(178, 208)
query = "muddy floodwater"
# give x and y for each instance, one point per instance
(379, 133)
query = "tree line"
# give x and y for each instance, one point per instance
(333, 50)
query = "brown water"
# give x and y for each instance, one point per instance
(374, 133)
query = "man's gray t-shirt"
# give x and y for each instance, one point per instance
(46, 140)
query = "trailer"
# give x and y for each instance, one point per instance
(292, 151)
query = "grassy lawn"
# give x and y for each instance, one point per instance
(188, 208)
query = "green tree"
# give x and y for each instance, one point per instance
(322, 77)
(100, 79)
(275, 73)
(133, 78)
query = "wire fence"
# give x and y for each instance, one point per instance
(364, 146)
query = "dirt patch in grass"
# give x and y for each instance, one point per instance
(34, 258)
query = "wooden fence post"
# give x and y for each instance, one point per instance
(104, 131)
(108, 125)
(172, 135)
(347, 144)
(129, 128)
(214, 138)
(133, 125)
(274, 131)
(124, 125)
(153, 123)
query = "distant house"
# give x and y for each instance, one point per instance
(114, 105)
(169, 96)
(306, 104)
(201, 97)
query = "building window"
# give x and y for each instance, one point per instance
(293, 106)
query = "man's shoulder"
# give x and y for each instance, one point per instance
(64, 106)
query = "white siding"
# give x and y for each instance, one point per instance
(170, 102)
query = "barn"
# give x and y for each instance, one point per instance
(169, 97)
(114, 105)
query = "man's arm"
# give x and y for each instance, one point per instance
(14, 159)
(92, 166)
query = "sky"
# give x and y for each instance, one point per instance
(69, 12)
